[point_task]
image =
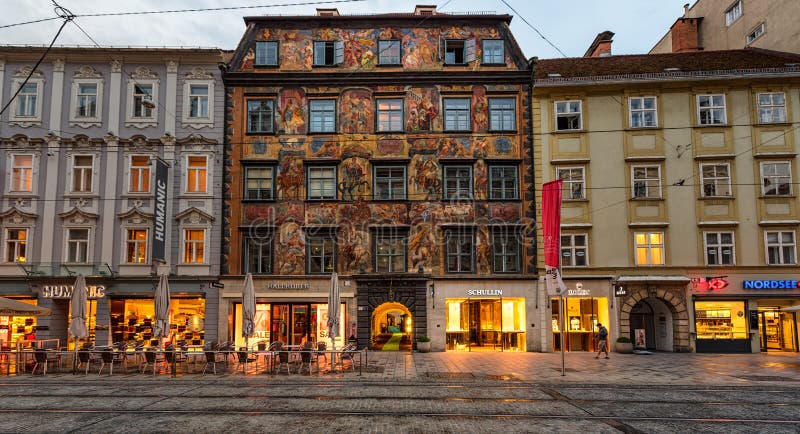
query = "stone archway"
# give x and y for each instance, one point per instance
(391, 327)
(674, 299)
(406, 290)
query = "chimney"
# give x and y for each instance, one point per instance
(425, 10)
(323, 12)
(686, 35)
(686, 10)
(601, 46)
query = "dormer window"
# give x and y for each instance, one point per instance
(459, 51)
(266, 53)
(493, 51)
(328, 53)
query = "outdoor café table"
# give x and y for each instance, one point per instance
(195, 354)
(269, 359)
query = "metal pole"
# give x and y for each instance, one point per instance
(563, 331)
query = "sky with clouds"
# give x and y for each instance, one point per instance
(569, 25)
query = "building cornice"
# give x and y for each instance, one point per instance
(793, 72)
(350, 78)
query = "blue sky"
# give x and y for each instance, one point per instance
(570, 25)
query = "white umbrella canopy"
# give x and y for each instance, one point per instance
(161, 300)
(9, 307)
(248, 308)
(77, 326)
(333, 309)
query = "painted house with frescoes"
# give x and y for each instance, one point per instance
(394, 149)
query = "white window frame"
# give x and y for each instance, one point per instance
(265, 58)
(86, 244)
(756, 33)
(450, 173)
(140, 121)
(73, 173)
(771, 108)
(498, 114)
(338, 53)
(568, 106)
(323, 181)
(733, 13)
(86, 121)
(573, 248)
(711, 108)
(646, 180)
(388, 181)
(145, 243)
(198, 121)
(649, 246)
(491, 53)
(388, 59)
(780, 245)
(318, 117)
(149, 174)
(386, 120)
(505, 192)
(23, 120)
(185, 242)
(29, 170)
(569, 185)
(249, 126)
(186, 176)
(457, 118)
(642, 111)
(762, 178)
(715, 180)
(501, 241)
(258, 196)
(7, 244)
(718, 247)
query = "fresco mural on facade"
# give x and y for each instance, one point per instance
(297, 50)
(357, 212)
(353, 184)
(353, 249)
(425, 212)
(257, 213)
(504, 212)
(483, 251)
(422, 109)
(356, 146)
(427, 146)
(291, 112)
(390, 147)
(425, 177)
(420, 48)
(356, 112)
(290, 178)
(324, 147)
(321, 214)
(360, 48)
(481, 177)
(291, 257)
(505, 145)
(389, 213)
(455, 147)
(248, 60)
(480, 109)
(288, 211)
(423, 247)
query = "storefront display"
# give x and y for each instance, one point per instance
(582, 314)
(132, 320)
(495, 324)
(17, 329)
(777, 329)
(289, 323)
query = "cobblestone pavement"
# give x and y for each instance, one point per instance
(433, 392)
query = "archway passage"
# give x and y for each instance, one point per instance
(391, 327)
(660, 316)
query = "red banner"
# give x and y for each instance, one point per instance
(551, 232)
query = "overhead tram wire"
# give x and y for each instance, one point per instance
(4, 26)
(229, 8)
(534, 28)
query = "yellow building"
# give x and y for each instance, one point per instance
(680, 196)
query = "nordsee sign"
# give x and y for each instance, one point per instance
(159, 251)
(473, 292)
(770, 284)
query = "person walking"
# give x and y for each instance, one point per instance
(602, 340)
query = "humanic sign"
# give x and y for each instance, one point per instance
(65, 291)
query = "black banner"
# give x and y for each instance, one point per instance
(159, 252)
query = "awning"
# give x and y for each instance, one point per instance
(9, 307)
(674, 279)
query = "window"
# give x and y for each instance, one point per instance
(258, 254)
(493, 51)
(716, 180)
(771, 107)
(328, 53)
(27, 100)
(502, 114)
(733, 13)
(719, 248)
(322, 116)
(143, 100)
(140, 174)
(82, 168)
(776, 178)
(259, 182)
(389, 52)
(646, 182)
(568, 115)
(266, 53)
(506, 252)
(459, 52)
(321, 182)
(574, 250)
(16, 245)
(198, 100)
(86, 106)
(573, 187)
(458, 182)
(77, 246)
(649, 248)
(643, 112)
(460, 248)
(503, 182)
(390, 253)
(196, 173)
(136, 246)
(321, 254)
(781, 248)
(456, 114)
(390, 182)
(22, 173)
(711, 109)
(758, 31)
(194, 241)
(260, 116)
(390, 115)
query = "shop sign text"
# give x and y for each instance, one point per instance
(474, 292)
(289, 285)
(770, 284)
(65, 291)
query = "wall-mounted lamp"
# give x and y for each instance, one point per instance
(433, 295)
(421, 269)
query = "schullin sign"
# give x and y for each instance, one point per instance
(159, 252)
